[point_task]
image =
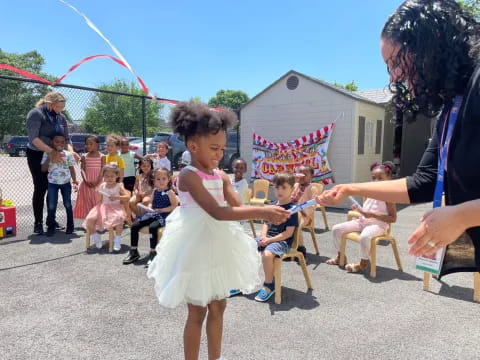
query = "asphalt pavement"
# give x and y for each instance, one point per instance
(59, 302)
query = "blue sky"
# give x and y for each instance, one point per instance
(194, 48)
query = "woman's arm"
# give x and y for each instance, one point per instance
(417, 188)
(40, 145)
(394, 191)
(192, 183)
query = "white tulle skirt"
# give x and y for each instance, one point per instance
(200, 259)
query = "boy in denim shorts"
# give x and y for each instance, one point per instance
(275, 240)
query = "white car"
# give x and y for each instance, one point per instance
(137, 146)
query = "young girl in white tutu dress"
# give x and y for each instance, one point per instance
(201, 256)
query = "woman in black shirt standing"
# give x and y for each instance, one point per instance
(43, 122)
(431, 50)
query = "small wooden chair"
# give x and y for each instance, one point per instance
(311, 230)
(355, 236)
(476, 284)
(277, 266)
(353, 214)
(260, 186)
(111, 235)
(248, 196)
(319, 188)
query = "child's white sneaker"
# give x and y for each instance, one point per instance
(97, 240)
(117, 243)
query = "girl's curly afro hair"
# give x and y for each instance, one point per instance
(192, 118)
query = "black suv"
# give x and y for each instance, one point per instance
(16, 146)
(177, 147)
(78, 142)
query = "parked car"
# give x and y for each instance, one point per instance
(231, 152)
(133, 138)
(16, 146)
(137, 146)
(177, 147)
(78, 142)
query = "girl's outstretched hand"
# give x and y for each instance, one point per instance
(335, 196)
(275, 214)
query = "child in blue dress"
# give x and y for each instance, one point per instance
(202, 255)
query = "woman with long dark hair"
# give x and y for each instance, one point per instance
(431, 51)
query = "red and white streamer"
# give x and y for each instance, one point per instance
(120, 60)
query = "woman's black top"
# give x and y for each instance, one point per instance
(44, 124)
(462, 178)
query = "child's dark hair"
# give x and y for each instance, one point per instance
(191, 118)
(59, 134)
(113, 168)
(140, 171)
(386, 166)
(166, 171)
(282, 178)
(239, 160)
(92, 137)
(309, 168)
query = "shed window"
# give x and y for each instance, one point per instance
(361, 135)
(378, 137)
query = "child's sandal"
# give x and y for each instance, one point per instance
(334, 261)
(354, 268)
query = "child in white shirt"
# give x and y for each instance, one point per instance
(239, 183)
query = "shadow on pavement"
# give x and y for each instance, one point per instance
(292, 298)
(59, 238)
(313, 259)
(455, 292)
(388, 274)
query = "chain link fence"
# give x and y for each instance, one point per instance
(19, 95)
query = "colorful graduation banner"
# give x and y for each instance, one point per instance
(269, 157)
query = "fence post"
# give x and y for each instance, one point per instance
(144, 125)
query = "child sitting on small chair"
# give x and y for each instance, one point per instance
(240, 185)
(275, 240)
(376, 216)
(304, 191)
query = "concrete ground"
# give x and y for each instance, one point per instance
(59, 302)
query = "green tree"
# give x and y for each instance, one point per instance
(110, 113)
(196, 99)
(230, 99)
(17, 98)
(351, 86)
(471, 5)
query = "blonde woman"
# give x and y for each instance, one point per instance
(43, 122)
